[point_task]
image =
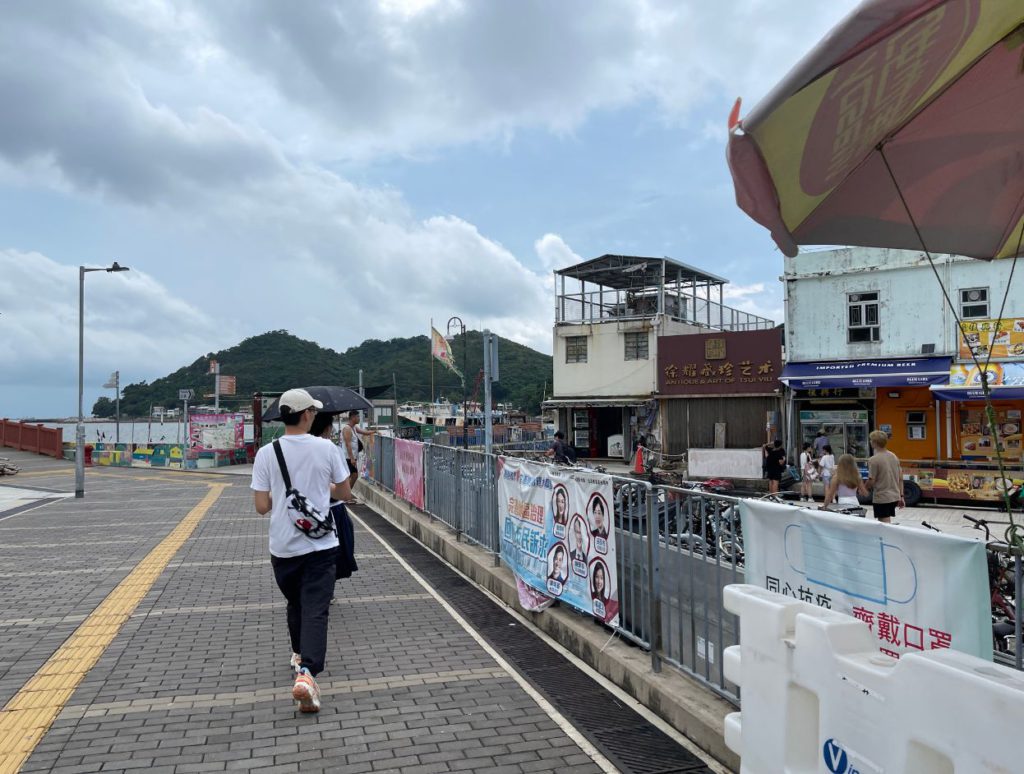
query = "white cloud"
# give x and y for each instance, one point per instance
(132, 324)
(209, 127)
(742, 291)
(554, 253)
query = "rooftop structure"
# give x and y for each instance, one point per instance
(614, 288)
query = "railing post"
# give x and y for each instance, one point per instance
(492, 473)
(426, 478)
(653, 583)
(458, 493)
(1018, 582)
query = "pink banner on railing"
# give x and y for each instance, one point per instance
(409, 471)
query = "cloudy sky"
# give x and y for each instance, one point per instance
(347, 170)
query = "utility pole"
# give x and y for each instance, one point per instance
(488, 426)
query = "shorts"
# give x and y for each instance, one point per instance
(774, 475)
(884, 510)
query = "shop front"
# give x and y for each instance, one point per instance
(719, 389)
(970, 440)
(847, 399)
(603, 427)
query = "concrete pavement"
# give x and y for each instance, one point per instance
(142, 628)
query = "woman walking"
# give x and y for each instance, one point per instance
(826, 465)
(846, 484)
(808, 472)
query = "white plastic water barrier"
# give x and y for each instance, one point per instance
(726, 463)
(819, 697)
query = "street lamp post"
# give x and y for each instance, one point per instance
(461, 327)
(114, 383)
(80, 429)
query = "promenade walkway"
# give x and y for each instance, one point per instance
(140, 628)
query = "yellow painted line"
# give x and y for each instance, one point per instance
(28, 716)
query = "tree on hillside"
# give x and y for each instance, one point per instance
(104, 408)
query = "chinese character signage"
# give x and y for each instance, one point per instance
(216, 431)
(720, 363)
(992, 338)
(915, 589)
(558, 534)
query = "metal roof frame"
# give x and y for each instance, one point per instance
(628, 272)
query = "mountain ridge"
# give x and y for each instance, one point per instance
(278, 360)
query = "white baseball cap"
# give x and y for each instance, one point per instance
(297, 400)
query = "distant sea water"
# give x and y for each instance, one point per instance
(140, 431)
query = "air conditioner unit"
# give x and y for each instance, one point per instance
(927, 349)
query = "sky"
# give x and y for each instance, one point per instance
(352, 170)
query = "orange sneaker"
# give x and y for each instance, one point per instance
(306, 692)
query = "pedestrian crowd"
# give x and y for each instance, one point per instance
(841, 478)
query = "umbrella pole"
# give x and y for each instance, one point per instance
(1013, 535)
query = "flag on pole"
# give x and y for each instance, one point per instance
(442, 350)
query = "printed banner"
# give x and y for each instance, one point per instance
(998, 338)
(216, 431)
(915, 589)
(558, 534)
(442, 350)
(409, 471)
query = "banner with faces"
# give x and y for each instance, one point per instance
(558, 533)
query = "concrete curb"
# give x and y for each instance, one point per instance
(692, 709)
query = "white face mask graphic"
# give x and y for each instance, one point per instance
(845, 559)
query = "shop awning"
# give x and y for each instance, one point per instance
(960, 392)
(903, 372)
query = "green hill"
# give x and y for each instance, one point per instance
(277, 360)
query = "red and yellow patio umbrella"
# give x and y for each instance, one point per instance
(903, 128)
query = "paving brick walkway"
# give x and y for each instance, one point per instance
(197, 678)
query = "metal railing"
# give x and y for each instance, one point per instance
(676, 550)
(461, 492)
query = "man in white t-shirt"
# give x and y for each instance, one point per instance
(303, 551)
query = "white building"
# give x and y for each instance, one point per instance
(869, 335)
(609, 314)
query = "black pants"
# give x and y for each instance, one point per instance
(307, 582)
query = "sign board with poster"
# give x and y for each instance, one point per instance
(977, 438)
(720, 363)
(1003, 338)
(558, 534)
(916, 590)
(216, 431)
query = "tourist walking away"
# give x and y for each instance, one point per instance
(826, 465)
(346, 565)
(820, 442)
(294, 479)
(846, 484)
(350, 432)
(562, 452)
(808, 472)
(775, 466)
(885, 478)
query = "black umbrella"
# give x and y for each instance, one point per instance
(336, 400)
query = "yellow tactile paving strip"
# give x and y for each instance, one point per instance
(28, 716)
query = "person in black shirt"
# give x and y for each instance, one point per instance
(560, 450)
(775, 466)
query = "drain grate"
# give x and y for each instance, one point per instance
(623, 736)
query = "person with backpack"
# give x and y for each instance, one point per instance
(563, 453)
(293, 480)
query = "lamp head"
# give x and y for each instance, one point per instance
(117, 267)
